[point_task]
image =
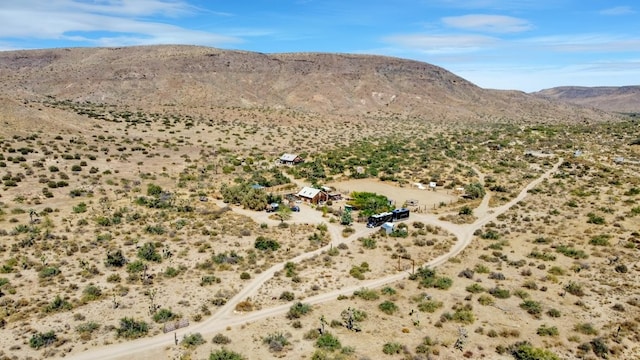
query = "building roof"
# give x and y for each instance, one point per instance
(288, 157)
(309, 192)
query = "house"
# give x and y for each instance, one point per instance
(312, 195)
(290, 159)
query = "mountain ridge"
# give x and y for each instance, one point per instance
(193, 78)
(608, 98)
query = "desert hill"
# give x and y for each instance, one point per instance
(196, 79)
(624, 99)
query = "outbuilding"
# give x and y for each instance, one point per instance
(388, 227)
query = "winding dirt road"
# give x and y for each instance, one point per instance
(226, 317)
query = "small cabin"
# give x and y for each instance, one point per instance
(290, 159)
(312, 195)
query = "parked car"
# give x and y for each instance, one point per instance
(295, 208)
(272, 207)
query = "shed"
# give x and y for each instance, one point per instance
(312, 195)
(290, 159)
(388, 227)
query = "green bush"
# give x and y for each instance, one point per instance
(329, 342)
(224, 354)
(263, 243)
(298, 309)
(148, 252)
(132, 329)
(58, 304)
(547, 331)
(163, 315)
(192, 340)
(276, 341)
(366, 294)
(388, 307)
(524, 351)
(42, 339)
(430, 306)
(392, 348)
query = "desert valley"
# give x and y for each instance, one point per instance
(138, 215)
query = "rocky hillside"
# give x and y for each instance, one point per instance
(625, 99)
(201, 79)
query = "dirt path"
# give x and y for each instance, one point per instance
(226, 317)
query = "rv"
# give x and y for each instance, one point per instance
(400, 214)
(379, 219)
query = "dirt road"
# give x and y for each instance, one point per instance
(225, 316)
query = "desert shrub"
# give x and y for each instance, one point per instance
(544, 330)
(276, 341)
(132, 329)
(571, 252)
(263, 243)
(287, 296)
(585, 328)
(86, 329)
(91, 292)
(486, 300)
(595, 219)
(388, 307)
(391, 348)
(574, 288)
(245, 275)
(600, 240)
(136, 266)
(525, 351)
(368, 243)
(221, 339)
(49, 271)
(58, 304)
(163, 315)
(388, 290)
(500, 293)
(430, 306)
(224, 354)
(366, 294)
(328, 341)
(555, 313)
(298, 309)
(39, 340)
(192, 340)
(532, 307)
(599, 347)
(148, 252)
(475, 288)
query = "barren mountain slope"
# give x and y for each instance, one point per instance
(189, 78)
(608, 98)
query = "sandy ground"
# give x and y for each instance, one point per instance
(427, 199)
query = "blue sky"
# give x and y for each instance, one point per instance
(502, 44)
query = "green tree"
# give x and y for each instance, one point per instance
(284, 213)
(474, 191)
(346, 218)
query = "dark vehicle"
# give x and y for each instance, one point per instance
(379, 219)
(395, 215)
(295, 208)
(400, 214)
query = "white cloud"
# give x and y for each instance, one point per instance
(618, 10)
(104, 23)
(588, 43)
(488, 23)
(441, 44)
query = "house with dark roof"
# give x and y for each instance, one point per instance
(290, 159)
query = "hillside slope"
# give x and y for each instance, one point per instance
(624, 99)
(198, 79)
